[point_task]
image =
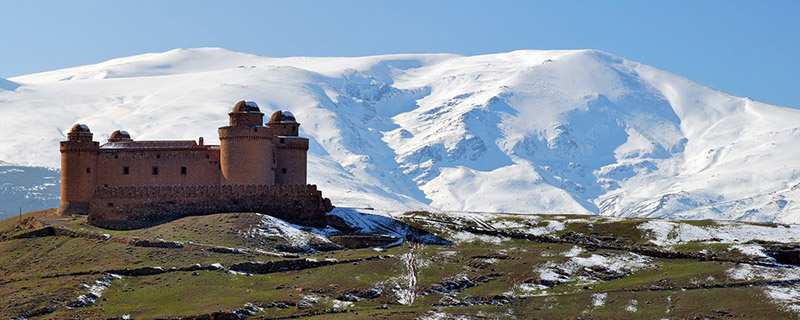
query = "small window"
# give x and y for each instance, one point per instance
(88, 170)
(183, 171)
(155, 170)
(255, 129)
(208, 156)
(110, 205)
(282, 139)
(116, 156)
(158, 156)
(126, 170)
(283, 170)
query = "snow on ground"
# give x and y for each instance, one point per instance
(787, 297)
(551, 227)
(750, 250)
(668, 232)
(381, 222)
(747, 272)
(560, 131)
(270, 227)
(627, 262)
(574, 252)
(466, 237)
(438, 315)
(631, 307)
(405, 286)
(95, 291)
(558, 272)
(599, 299)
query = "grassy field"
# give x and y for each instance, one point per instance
(479, 276)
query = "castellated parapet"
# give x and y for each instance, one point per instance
(126, 183)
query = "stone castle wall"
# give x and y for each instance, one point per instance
(131, 207)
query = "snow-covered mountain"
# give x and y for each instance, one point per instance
(25, 188)
(579, 131)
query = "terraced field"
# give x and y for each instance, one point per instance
(444, 265)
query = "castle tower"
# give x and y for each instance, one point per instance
(78, 170)
(246, 147)
(290, 149)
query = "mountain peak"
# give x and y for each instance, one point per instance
(545, 131)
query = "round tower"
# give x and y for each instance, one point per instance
(290, 149)
(246, 147)
(78, 170)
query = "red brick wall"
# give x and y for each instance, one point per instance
(78, 176)
(202, 167)
(291, 158)
(246, 155)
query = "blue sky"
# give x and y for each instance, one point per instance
(748, 48)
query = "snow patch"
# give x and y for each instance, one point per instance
(788, 297)
(599, 299)
(617, 263)
(631, 307)
(466, 237)
(95, 291)
(669, 233)
(750, 250)
(749, 272)
(574, 252)
(270, 227)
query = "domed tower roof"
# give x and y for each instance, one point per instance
(79, 133)
(246, 106)
(79, 128)
(281, 116)
(120, 135)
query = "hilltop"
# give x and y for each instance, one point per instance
(433, 266)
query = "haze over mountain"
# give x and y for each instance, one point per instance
(567, 131)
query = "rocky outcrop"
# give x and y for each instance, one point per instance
(452, 285)
(786, 255)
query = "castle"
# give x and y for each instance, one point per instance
(126, 184)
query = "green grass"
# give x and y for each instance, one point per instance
(624, 229)
(24, 263)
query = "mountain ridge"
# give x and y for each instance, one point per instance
(561, 131)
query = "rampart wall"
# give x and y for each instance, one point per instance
(131, 207)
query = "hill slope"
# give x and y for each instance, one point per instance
(526, 131)
(495, 265)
